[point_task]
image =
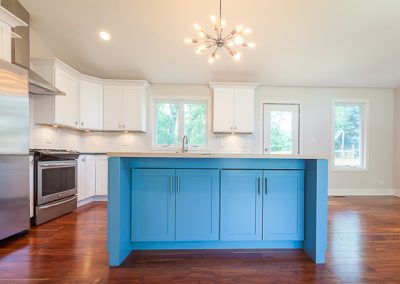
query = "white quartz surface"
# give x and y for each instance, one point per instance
(208, 155)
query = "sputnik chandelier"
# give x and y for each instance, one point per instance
(213, 42)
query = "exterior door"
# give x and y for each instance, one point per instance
(241, 205)
(281, 128)
(197, 205)
(153, 205)
(283, 222)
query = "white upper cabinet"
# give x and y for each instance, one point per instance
(7, 21)
(57, 110)
(233, 107)
(91, 104)
(125, 105)
(113, 98)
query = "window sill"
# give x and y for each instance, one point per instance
(351, 170)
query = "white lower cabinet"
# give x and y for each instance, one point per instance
(86, 176)
(92, 176)
(101, 175)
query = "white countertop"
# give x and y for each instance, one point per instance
(208, 155)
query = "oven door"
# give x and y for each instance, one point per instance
(56, 180)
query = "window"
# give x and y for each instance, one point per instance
(349, 135)
(173, 120)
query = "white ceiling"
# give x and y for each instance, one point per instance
(298, 42)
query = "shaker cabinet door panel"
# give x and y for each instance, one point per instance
(66, 107)
(283, 214)
(91, 105)
(197, 205)
(244, 111)
(153, 205)
(241, 205)
(113, 100)
(223, 111)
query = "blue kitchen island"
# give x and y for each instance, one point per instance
(216, 201)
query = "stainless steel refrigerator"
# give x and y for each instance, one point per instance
(14, 150)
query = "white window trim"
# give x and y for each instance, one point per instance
(365, 138)
(181, 103)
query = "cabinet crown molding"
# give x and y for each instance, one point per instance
(233, 85)
(10, 19)
(57, 62)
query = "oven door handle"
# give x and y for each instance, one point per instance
(60, 165)
(58, 203)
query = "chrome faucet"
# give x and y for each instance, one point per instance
(185, 146)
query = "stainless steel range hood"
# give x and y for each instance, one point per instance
(21, 51)
(39, 86)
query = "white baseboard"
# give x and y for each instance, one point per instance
(360, 191)
(91, 199)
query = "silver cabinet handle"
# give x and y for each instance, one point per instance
(123, 125)
(170, 184)
(178, 184)
(76, 122)
(82, 123)
(119, 126)
(259, 187)
(266, 185)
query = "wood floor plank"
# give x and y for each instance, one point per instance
(363, 247)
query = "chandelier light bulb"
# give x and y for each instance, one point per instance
(239, 28)
(247, 31)
(196, 27)
(223, 23)
(237, 56)
(211, 60)
(213, 19)
(251, 44)
(239, 40)
(188, 40)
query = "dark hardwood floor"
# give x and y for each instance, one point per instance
(364, 247)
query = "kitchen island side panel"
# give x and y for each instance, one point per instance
(316, 209)
(119, 209)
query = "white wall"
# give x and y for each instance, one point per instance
(316, 105)
(396, 149)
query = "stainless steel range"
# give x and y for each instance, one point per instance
(55, 183)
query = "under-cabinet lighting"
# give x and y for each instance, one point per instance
(55, 126)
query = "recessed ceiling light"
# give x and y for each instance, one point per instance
(104, 35)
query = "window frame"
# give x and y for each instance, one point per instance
(364, 143)
(181, 104)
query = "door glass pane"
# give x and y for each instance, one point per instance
(348, 135)
(167, 123)
(281, 132)
(51, 181)
(68, 178)
(195, 123)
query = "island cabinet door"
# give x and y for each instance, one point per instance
(283, 212)
(241, 205)
(197, 205)
(153, 205)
